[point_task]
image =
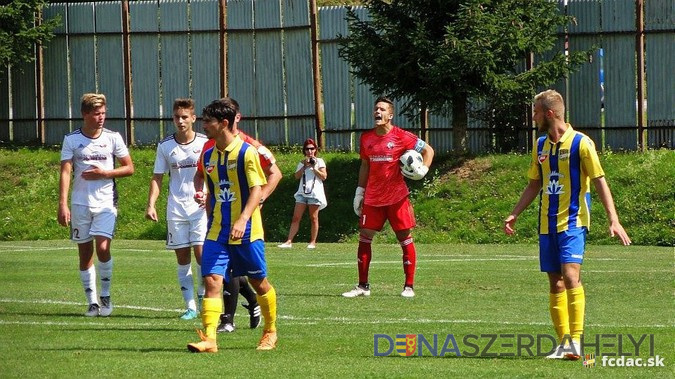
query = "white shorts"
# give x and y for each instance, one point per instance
(185, 233)
(87, 222)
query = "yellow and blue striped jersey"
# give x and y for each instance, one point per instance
(565, 170)
(229, 176)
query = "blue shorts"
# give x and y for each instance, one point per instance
(244, 260)
(563, 247)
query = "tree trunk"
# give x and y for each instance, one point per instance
(459, 123)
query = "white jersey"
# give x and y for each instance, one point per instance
(87, 153)
(180, 161)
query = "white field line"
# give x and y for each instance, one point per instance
(84, 305)
(422, 261)
(17, 249)
(296, 320)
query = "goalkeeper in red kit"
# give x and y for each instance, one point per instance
(382, 193)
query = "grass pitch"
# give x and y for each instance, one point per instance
(462, 290)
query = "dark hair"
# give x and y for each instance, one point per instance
(235, 102)
(221, 109)
(310, 141)
(184, 104)
(384, 99)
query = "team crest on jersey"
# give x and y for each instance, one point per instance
(390, 145)
(208, 167)
(542, 158)
(225, 195)
(554, 187)
(232, 165)
(564, 154)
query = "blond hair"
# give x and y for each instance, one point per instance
(91, 101)
(551, 99)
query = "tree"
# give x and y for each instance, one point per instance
(21, 29)
(442, 53)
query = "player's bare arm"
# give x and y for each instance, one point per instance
(126, 169)
(427, 155)
(63, 214)
(605, 195)
(529, 194)
(273, 175)
(252, 203)
(153, 194)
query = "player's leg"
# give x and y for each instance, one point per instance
(230, 297)
(298, 210)
(105, 272)
(186, 282)
(402, 220)
(371, 221)
(252, 305)
(549, 262)
(215, 259)
(88, 277)
(179, 240)
(572, 244)
(314, 221)
(250, 259)
(197, 236)
(103, 229)
(80, 225)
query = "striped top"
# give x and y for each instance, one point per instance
(229, 175)
(565, 169)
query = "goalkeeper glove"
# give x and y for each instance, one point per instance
(358, 200)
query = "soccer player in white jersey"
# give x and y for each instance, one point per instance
(178, 155)
(89, 154)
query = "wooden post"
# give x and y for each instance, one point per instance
(39, 85)
(528, 109)
(126, 48)
(318, 114)
(223, 48)
(640, 50)
(424, 122)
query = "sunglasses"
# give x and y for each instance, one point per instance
(310, 148)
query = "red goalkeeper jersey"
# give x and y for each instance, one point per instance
(386, 184)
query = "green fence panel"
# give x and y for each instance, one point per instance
(269, 79)
(4, 107)
(205, 54)
(24, 102)
(175, 58)
(660, 90)
(145, 71)
(335, 78)
(55, 84)
(240, 56)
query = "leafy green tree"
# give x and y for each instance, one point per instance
(440, 54)
(20, 29)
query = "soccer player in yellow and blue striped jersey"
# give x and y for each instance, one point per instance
(234, 240)
(564, 163)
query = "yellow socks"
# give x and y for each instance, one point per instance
(211, 310)
(268, 307)
(576, 306)
(557, 304)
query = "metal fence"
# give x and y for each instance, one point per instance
(264, 53)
